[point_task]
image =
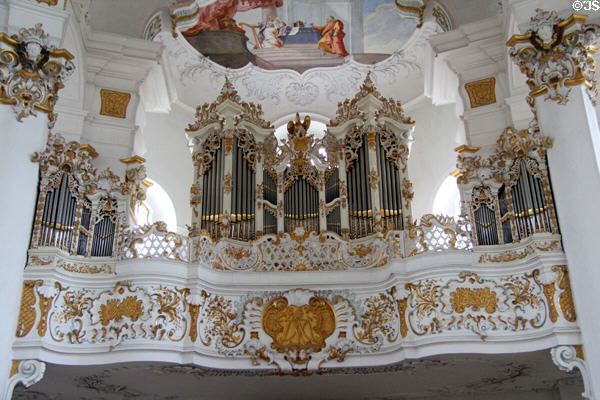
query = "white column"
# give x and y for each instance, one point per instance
(19, 178)
(18, 175)
(574, 164)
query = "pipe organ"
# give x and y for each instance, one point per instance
(349, 182)
(80, 211)
(508, 193)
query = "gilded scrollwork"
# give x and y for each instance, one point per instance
(27, 312)
(122, 313)
(565, 298)
(373, 179)
(300, 330)
(556, 54)
(206, 114)
(482, 305)
(31, 72)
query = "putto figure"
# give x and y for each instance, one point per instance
(332, 37)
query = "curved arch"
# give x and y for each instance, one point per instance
(158, 206)
(447, 198)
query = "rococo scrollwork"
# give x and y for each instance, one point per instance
(299, 330)
(31, 72)
(556, 54)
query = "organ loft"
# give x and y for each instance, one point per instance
(217, 201)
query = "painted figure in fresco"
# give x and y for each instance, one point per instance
(270, 31)
(332, 37)
(219, 15)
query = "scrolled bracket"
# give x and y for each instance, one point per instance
(26, 372)
(566, 359)
(556, 54)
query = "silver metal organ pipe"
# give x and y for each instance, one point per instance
(239, 200)
(527, 197)
(214, 194)
(253, 202)
(45, 218)
(315, 210)
(248, 191)
(395, 200)
(361, 190)
(245, 194)
(519, 210)
(544, 212)
(240, 184)
(292, 190)
(524, 204)
(354, 195)
(55, 203)
(62, 223)
(218, 191)
(99, 236)
(539, 204)
(205, 190)
(397, 190)
(286, 204)
(529, 206)
(212, 197)
(391, 194)
(306, 204)
(235, 191)
(209, 195)
(383, 187)
(303, 201)
(52, 215)
(71, 220)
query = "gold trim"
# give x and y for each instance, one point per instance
(176, 19)
(482, 92)
(90, 149)
(8, 40)
(14, 368)
(419, 10)
(148, 184)
(456, 173)
(62, 53)
(133, 160)
(579, 351)
(466, 148)
(114, 103)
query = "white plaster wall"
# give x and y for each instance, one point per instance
(19, 177)
(169, 161)
(432, 158)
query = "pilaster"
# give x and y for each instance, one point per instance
(28, 94)
(555, 54)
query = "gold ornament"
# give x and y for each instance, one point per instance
(31, 72)
(295, 328)
(464, 298)
(113, 103)
(27, 310)
(556, 54)
(482, 92)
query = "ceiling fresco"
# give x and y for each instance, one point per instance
(298, 35)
